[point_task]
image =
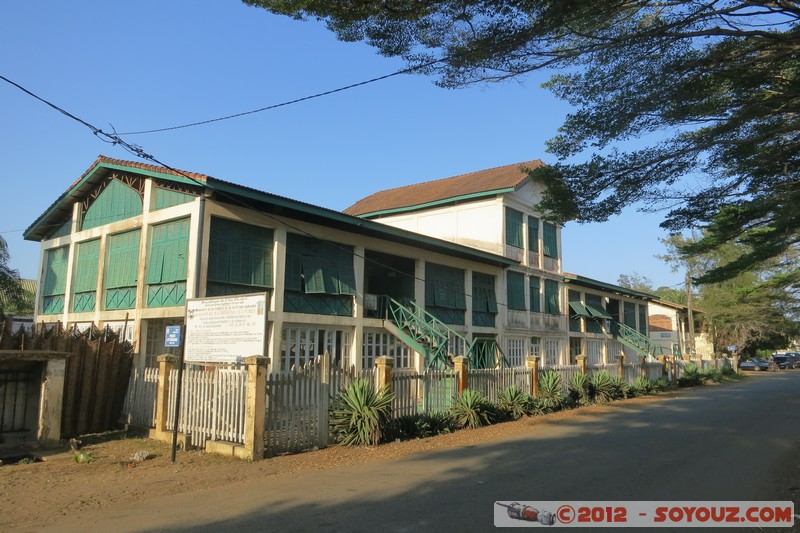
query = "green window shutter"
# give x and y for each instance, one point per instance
(294, 271)
(123, 259)
(533, 234)
(313, 274)
(55, 273)
(241, 254)
(629, 313)
(86, 265)
(643, 319)
(515, 290)
(484, 299)
(551, 300)
(444, 287)
(535, 290)
(513, 227)
(116, 202)
(549, 240)
(169, 246)
(346, 269)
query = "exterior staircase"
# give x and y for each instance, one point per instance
(641, 344)
(431, 337)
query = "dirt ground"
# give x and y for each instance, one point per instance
(39, 493)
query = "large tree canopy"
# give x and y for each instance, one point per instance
(681, 105)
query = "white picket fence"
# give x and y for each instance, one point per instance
(212, 403)
(427, 393)
(140, 402)
(298, 402)
(491, 382)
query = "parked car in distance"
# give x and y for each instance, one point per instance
(782, 361)
(793, 358)
(754, 364)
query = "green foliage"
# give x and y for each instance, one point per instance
(619, 388)
(471, 409)
(82, 457)
(539, 406)
(420, 426)
(514, 403)
(12, 295)
(601, 387)
(710, 87)
(360, 416)
(550, 390)
(579, 389)
(691, 376)
(663, 384)
(641, 386)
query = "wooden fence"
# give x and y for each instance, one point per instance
(212, 403)
(140, 401)
(429, 392)
(96, 375)
(491, 382)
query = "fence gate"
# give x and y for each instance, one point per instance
(296, 417)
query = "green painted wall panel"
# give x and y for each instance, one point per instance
(87, 261)
(164, 198)
(122, 265)
(116, 202)
(55, 271)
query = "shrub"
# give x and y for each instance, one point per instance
(513, 402)
(691, 376)
(601, 388)
(641, 386)
(360, 416)
(619, 388)
(579, 389)
(550, 390)
(539, 406)
(711, 374)
(420, 426)
(471, 409)
(662, 384)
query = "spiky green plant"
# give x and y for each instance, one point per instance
(641, 386)
(361, 416)
(601, 388)
(663, 383)
(471, 409)
(691, 376)
(619, 388)
(539, 406)
(420, 426)
(579, 389)
(513, 402)
(711, 374)
(550, 390)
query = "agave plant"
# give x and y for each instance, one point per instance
(419, 426)
(691, 376)
(601, 387)
(514, 402)
(471, 409)
(361, 416)
(579, 389)
(550, 390)
(619, 388)
(641, 386)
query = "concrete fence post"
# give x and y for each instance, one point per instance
(532, 362)
(664, 368)
(166, 364)
(461, 365)
(642, 361)
(581, 363)
(383, 373)
(621, 366)
(255, 408)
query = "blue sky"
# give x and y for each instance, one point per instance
(142, 65)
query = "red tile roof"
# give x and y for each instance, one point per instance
(484, 181)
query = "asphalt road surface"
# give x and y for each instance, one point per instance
(729, 443)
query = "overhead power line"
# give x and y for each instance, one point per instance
(283, 104)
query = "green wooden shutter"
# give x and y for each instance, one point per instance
(116, 202)
(643, 319)
(533, 234)
(346, 271)
(241, 254)
(551, 300)
(169, 247)
(515, 290)
(55, 274)
(629, 313)
(483, 293)
(549, 240)
(513, 227)
(123, 259)
(86, 266)
(444, 286)
(535, 290)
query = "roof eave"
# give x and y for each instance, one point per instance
(436, 203)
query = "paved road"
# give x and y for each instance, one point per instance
(708, 444)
